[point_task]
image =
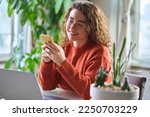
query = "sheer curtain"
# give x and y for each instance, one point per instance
(124, 21)
(124, 24)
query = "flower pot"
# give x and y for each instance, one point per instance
(98, 93)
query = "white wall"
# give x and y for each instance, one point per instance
(110, 8)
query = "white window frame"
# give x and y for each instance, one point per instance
(136, 62)
(15, 30)
(4, 57)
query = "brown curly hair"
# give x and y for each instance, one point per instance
(96, 21)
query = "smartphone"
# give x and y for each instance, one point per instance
(46, 38)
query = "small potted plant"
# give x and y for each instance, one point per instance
(119, 88)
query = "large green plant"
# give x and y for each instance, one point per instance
(44, 16)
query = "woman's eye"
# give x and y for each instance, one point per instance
(71, 21)
(80, 25)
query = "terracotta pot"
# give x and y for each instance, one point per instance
(102, 94)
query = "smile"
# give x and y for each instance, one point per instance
(72, 33)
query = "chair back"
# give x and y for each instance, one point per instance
(137, 80)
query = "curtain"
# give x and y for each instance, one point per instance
(124, 24)
(125, 18)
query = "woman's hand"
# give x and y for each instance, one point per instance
(53, 52)
(45, 53)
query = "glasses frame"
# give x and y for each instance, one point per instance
(79, 24)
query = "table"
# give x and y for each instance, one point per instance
(60, 94)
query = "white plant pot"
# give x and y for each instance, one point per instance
(102, 94)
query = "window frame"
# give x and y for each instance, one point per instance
(5, 57)
(135, 29)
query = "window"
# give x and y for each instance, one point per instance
(5, 31)
(144, 33)
(140, 32)
(11, 33)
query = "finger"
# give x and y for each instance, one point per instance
(46, 58)
(50, 49)
(44, 46)
(54, 46)
(47, 49)
(43, 52)
(50, 56)
(47, 52)
(46, 55)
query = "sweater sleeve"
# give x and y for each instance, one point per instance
(48, 76)
(81, 82)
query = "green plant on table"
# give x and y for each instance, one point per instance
(119, 69)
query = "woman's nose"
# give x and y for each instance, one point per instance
(73, 25)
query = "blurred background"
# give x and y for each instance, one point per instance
(22, 22)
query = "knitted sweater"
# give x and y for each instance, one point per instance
(79, 69)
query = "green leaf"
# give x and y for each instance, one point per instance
(122, 49)
(58, 5)
(14, 5)
(31, 66)
(36, 60)
(114, 61)
(101, 77)
(9, 10)
(8, 63)
(61, 19)
(23, 18)
(19, 6)
(126, 85)
(67, 4)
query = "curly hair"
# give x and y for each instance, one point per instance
(96, 21)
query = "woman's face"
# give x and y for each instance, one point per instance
(76, 26)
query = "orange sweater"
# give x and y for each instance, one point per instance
(78, 71)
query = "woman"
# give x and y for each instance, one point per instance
(74, 65)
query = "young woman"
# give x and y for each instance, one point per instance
(74, 65)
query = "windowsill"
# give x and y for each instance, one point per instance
(141, 64)
(4, 58)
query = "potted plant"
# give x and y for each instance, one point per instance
(119, 88)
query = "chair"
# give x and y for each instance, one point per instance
(137, 80)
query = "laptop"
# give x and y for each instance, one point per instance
(18, 85)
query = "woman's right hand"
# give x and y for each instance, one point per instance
(46, 53)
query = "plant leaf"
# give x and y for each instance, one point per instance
(126, 85)
(67, 4)
(14, 4)
(114, 61)
(58, 5)
(8, 63)
(31, 66)
(9, 10)
(23, 18)
(122, 48)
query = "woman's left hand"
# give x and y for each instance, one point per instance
(57, 53)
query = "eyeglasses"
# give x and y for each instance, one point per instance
(80, 25)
